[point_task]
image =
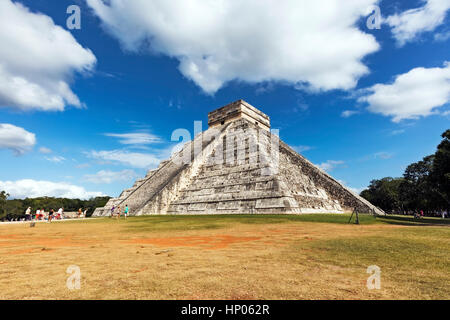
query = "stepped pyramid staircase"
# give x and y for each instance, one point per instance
(237, 166)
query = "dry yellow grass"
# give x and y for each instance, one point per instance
(147, 258)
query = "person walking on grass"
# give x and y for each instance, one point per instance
(50, 215)
(28, 214)
(125, 212)
(39, 214)
(118, 212)
(60, 214)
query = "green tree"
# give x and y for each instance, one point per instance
(425, 184)
(418, 190)
(3, 197)
(384, 193)
(441, 168)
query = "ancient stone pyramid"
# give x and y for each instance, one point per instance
(237, 166)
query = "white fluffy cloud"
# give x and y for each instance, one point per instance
(354, 190)
(16, 139)
(413, 94)
(28, 188)
(383, 155)
(301, 149)
(294, 41)
(330, 165)
(348, 113)
(407, 25)
(45, 150)
(133, 159)
(55, 159)
(37, 59)
(106, 176)
(135, 138)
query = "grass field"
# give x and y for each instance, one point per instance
(227, 257)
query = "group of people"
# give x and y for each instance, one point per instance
(42, 215)
(81, 213)
(420, 214)
(50, 215)
(116, 212)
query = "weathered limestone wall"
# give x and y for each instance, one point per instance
(232, 185)
(160, 201)
(347, 199)
(106, 210)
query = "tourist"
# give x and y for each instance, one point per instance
(118, 212)
(421, 213)
(112, 211)
(50, 215)
(79, 213)
(125, 212)
(38, 213)
(60, 214)
(28, 214)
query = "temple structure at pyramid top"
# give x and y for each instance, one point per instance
(237, 166)
(237, 110)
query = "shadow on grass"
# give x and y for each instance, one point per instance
(410, 221)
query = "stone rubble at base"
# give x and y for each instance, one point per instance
(237, 166)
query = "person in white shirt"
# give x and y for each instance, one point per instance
(60, 213)
(28, 214)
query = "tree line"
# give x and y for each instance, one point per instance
(425, 185)
(13, 208)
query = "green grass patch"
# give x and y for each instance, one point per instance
(416, 259)
(202, 222)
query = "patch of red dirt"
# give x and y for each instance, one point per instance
(61, 242)
(46, 242)
(5, 244)
(10, 237)
(23, 251)
(140, 270)
(211, 242)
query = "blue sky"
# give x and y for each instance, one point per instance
(86, 112)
